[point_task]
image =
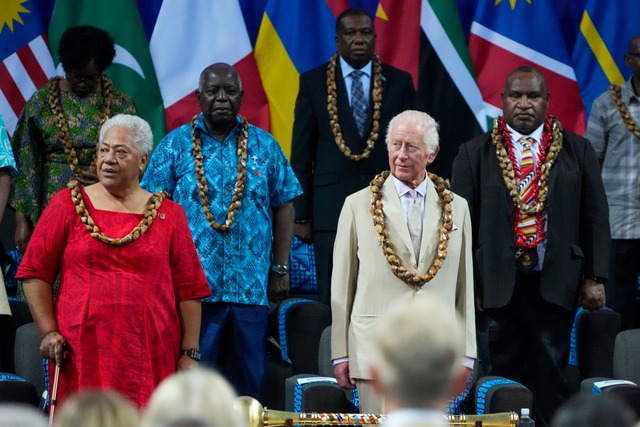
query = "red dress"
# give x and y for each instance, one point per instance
(117, 305)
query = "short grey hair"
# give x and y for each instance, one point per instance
(417, 352)
(197, 393)
(138, 127)
(425, 123)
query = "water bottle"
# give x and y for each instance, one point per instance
(525, 420)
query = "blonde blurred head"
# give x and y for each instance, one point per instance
(97, 408)
(195, 393)
(417, 352)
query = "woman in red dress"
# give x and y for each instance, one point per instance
(127, 313)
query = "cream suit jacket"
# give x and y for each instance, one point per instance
(363, 286)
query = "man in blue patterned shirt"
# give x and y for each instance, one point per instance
(7, 166)
(236, 186)
(613, 129)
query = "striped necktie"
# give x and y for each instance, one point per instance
(414, 222)
(527, 223)
(358, 103)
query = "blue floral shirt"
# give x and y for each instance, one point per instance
(6, 153)
(236, 262)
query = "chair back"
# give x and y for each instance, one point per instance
(626, 357)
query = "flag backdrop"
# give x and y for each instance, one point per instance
(26, 62)
(509, 33)
(598, 56)
(294, 37)
(447, 87)
(132, 69)
(215, 33)
(424, 37)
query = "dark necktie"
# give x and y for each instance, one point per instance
(358, 103)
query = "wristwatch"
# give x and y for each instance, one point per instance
(192, 353)
(280, 269)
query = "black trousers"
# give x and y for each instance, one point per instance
(528, 342)
(323, 248)
(623, 280)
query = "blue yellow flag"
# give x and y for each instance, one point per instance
(598, 57)
(294, 37)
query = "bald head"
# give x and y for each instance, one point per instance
(219, 96)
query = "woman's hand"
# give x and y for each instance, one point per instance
(54, 346)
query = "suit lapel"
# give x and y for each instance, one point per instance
(395, 219)
(430, 227)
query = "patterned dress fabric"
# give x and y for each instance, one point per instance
(236, 262)
(43, 167)
(117, 306)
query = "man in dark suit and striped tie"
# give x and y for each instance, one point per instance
(540, 238)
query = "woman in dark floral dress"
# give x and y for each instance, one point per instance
(55, 139)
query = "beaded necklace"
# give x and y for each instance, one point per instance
(150, 213)
(53, 98)
(626, 117)
(377, 213)
(551, 145)
(332, 109)
(241, 177)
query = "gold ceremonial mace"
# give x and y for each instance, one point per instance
(257, 416)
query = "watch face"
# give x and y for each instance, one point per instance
(279, 269)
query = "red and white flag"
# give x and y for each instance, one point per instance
(188, 37)
(26, 60)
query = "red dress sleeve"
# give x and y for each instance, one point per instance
(47, 244)
(189, 280)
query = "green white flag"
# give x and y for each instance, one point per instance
(132, 70)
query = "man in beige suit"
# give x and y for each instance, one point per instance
(404, 238)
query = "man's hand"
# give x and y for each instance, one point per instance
(278, 287)
(341, 372)
(24, 229)
(592, 296)
(303, 232)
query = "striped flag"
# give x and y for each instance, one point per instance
(188, 37)
(132, 70)
(26, 60)
(507, 34)
(598, 55)
(295, 36)
(447, 87)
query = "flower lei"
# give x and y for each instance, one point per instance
(624, 112)
(551, 146)
(377, 214)
(53, 98)
(150, 213)
(241, 178)
(332, 109)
